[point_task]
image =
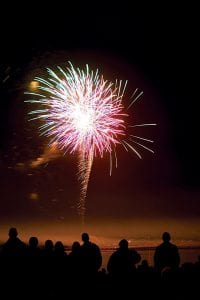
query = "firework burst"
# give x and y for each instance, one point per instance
(81, 112)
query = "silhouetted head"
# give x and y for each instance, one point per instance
(33, 241)
(166, 237)
(13, 232)
(48, 245)
(85, 237)
(75, 246)
(59, 247)
(123, 244)
(144, 263)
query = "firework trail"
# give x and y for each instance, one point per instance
(81, 112)
(85, 166)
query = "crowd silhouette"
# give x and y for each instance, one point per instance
(29, 271)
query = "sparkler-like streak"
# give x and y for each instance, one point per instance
(81, 112)
(85, 166)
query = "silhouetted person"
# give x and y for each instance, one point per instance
(34, 267)
(144, 266)
(122, 263)
(75, 258)
(166, 254)
(33, 250)
(91, 258)
(48, 266)
(59, 249)
(75, 248)
(48, 248)
(122, 270)
(60, 268)
(75, 264)
(13, 266)
(13, 246)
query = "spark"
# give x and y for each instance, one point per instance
(83, 113)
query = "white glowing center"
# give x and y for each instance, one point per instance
(83, 120)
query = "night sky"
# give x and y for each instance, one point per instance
(152, 47)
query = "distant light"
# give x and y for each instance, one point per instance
(54, 200)
(20, 166)
(33, 196)
(34, 85)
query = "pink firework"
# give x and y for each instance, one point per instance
(82, 112)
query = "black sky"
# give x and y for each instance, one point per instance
(155, 46)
